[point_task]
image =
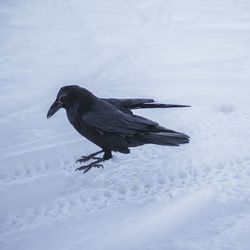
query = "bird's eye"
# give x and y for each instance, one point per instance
(62, 99)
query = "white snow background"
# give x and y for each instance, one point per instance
(196, 196)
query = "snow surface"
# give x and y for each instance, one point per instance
(196, 196)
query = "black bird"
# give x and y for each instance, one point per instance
(110, 123)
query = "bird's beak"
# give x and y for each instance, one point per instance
(54, 108)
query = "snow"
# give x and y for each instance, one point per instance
(196, 196)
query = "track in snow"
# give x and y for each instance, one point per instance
(190, 197)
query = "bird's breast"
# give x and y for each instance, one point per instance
(84, 129)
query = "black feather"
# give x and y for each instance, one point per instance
(126, 105)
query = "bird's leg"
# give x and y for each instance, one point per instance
(89, 157)
(107, 155)
(94, 164)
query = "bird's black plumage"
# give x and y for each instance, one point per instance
(126, 105)
(110, 123)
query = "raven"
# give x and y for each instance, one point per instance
(110, 123)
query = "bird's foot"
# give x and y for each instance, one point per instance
(87, 158)
(88, 167)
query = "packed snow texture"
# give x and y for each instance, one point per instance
(195, 196)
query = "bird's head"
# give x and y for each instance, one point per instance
(69, 97)
(63, 99)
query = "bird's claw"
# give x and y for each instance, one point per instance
(88, 167)
(83, 159)
(87, 158)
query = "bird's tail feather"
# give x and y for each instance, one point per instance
(165, 138)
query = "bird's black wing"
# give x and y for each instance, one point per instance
(129, 104)
(105, 117)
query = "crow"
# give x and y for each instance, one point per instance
(110, 123)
